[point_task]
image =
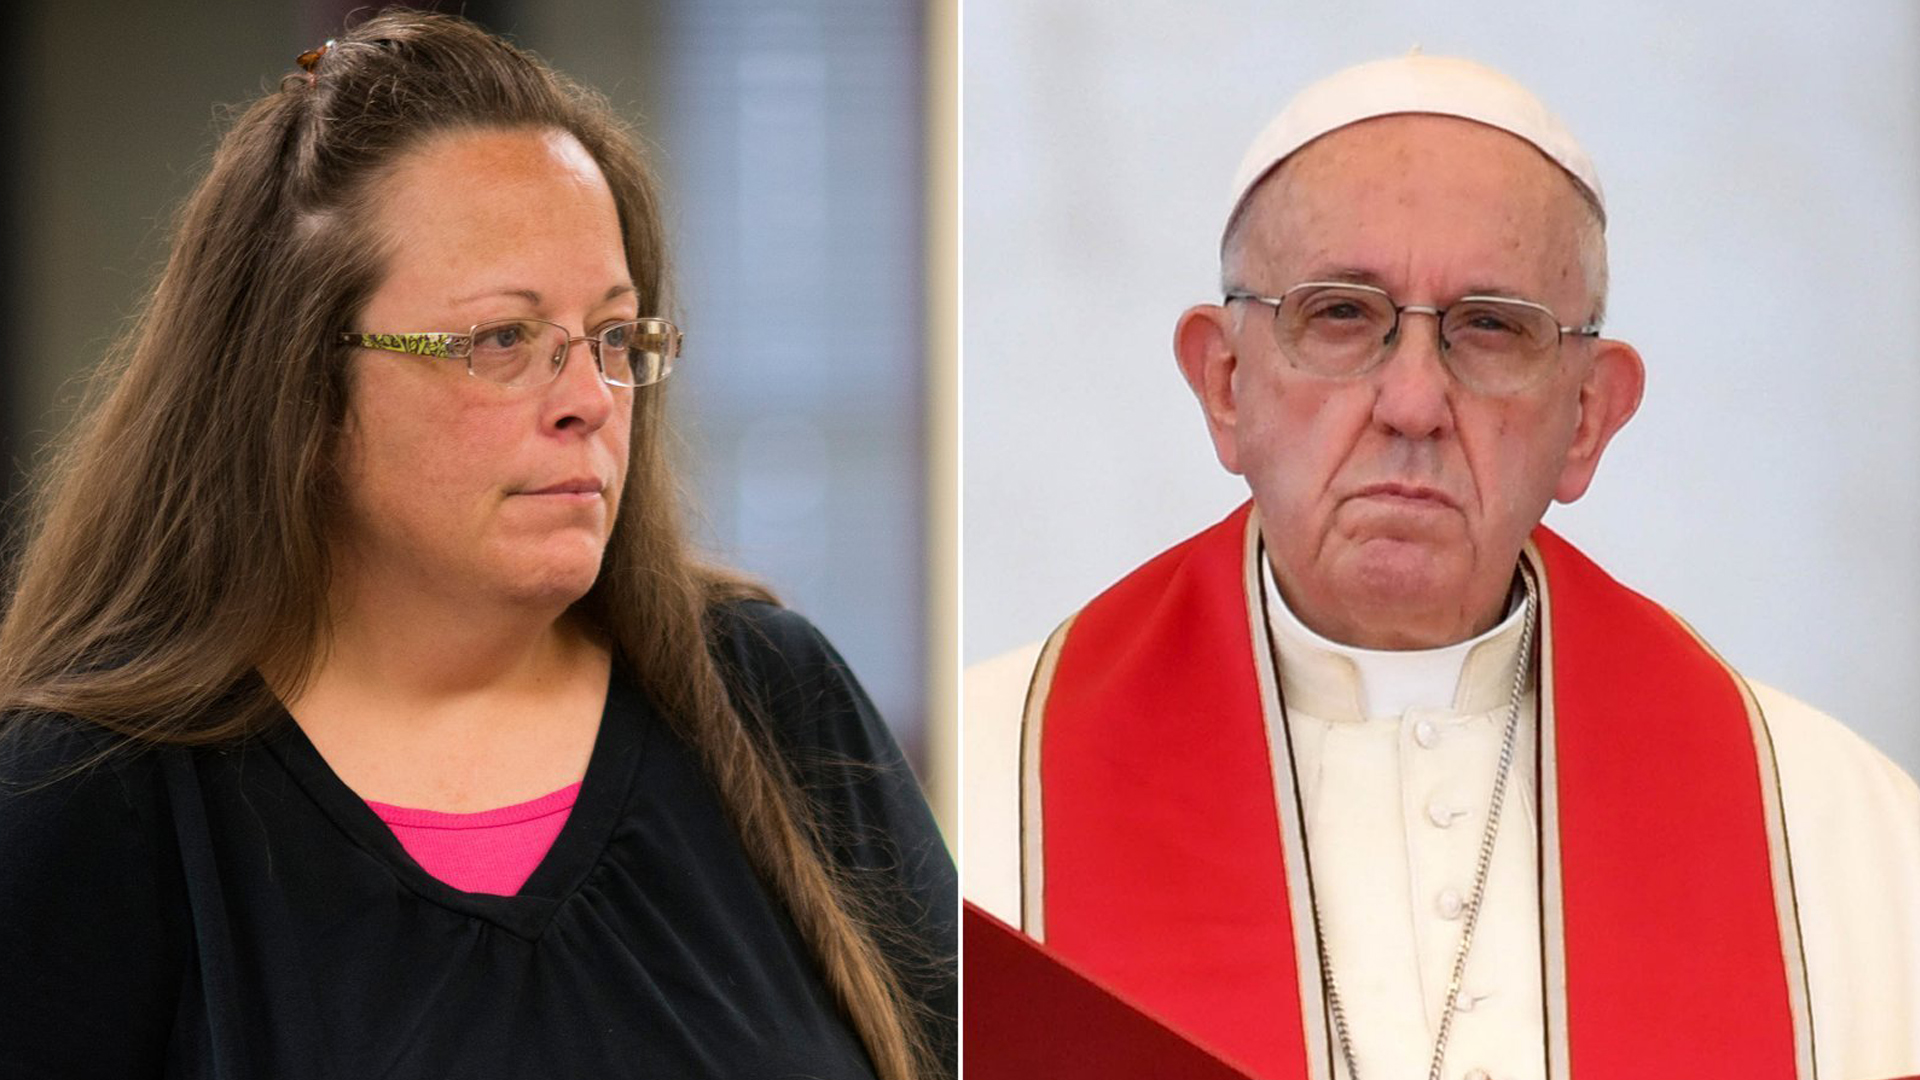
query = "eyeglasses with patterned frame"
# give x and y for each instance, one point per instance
(531, 352)
(1343, 330)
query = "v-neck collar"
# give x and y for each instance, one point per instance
(617, 748)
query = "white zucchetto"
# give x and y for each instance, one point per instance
(1440, 85)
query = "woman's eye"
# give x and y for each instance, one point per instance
(500, 337)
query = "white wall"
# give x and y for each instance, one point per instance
(1763, 179)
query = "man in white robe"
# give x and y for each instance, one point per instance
(1402, 436)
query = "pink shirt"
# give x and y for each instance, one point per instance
(491, 851)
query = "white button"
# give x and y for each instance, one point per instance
(1465, 1000)
(1442, 815)
(1425, 734)
(1477, 1074)
(1450, 904)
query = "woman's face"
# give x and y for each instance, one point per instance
(459, 487)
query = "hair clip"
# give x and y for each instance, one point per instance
(311, 59)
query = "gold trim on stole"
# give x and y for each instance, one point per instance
(1553, 941)
(1033, 864)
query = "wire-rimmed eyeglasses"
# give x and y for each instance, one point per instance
(1343, 330)
(530, 352)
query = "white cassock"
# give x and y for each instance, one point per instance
(1396, 755)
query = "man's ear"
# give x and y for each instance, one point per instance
(1203, 344)
(1609, 396)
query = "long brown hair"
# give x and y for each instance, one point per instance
(177, 544)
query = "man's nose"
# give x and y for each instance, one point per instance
(1414, 383)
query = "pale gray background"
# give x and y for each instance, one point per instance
(1762, 167)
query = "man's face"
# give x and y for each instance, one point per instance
(1394, 505)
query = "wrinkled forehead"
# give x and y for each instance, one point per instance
(1417, 154)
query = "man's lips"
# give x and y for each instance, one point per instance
(1413, 493)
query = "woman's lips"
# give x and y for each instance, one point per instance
(579, 488)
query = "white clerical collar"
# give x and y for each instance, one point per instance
(1327, 679)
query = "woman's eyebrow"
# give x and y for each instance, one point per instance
(532, 296)
(529, 295)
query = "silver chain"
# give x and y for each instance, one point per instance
(1471, 913)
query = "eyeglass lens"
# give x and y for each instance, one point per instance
(525, 352)
(1488, 343)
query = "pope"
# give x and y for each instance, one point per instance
(1380, 777)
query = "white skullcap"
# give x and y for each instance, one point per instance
(1442, 85)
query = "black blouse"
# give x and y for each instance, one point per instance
(240, 913)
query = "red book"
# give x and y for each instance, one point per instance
(1027, 1015)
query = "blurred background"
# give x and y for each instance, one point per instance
(807, 149)
(1762, 168)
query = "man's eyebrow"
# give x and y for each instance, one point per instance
(1357, 276)
(1350, 276)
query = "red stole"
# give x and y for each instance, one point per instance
(1162, 850)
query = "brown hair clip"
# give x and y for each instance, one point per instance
(311, 59)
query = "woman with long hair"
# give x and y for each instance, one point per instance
(366, 713)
